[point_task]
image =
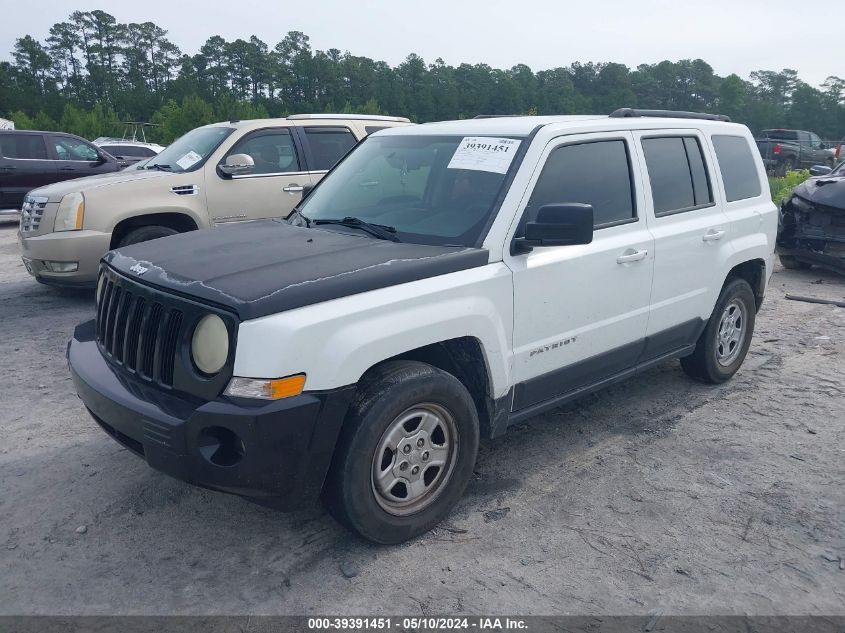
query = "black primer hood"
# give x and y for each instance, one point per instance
(825, 190)
(261, 268)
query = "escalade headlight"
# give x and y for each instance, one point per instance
(71, 212)
(210, 344)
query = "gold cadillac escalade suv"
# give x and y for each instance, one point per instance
(221, 173)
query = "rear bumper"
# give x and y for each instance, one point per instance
(84, 247)
(275, 453)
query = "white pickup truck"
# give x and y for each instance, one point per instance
(440, 283)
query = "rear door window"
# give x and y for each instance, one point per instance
(23, 146)
(328, 145)
(737, 166)
(596, 173)
(677, 174)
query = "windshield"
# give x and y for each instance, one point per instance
(189, 151)
(431, 189)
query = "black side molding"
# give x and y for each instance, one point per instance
(623, 113)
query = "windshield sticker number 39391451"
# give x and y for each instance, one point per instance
(481, 153)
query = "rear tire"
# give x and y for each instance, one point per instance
(385, 483)
(722, 346)
(788, 261)
(145, 234)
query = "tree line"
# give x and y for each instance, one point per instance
(92, 72)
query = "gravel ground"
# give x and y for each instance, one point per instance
(659, 493)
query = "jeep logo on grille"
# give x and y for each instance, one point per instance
(138, 269)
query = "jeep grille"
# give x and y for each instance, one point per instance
(136, 331)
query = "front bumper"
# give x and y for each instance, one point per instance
(84, 247)
(274, 453)
(810, 256)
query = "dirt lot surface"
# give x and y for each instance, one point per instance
(659, 493)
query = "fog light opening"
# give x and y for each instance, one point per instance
(62, 267)
(220, 446)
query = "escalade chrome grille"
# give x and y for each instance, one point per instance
(31, 213)
(136, 332)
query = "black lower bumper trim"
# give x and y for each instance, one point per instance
(814, 257)
(275, 453)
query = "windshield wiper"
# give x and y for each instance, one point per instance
(376, 230)
(160, 166)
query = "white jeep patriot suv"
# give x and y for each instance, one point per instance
(442, 282)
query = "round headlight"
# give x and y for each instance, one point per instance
(210, 344)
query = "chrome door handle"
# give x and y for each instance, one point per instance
(631, 255)
(712, 235)
(293, 188)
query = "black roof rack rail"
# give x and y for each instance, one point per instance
(496, 116)
(622, 113)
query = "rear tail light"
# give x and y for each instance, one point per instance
(776, 149)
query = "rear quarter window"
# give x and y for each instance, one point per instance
(737, 166)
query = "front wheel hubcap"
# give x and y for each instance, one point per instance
(731, 334)
(414, 459)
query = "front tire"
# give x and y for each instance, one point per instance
(405, 454)
(145, 234)
(789, 262)
(723, 345)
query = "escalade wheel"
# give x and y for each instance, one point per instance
(405, 454)
(145, 234)
(722, 346)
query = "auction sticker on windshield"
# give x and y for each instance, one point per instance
(481, 153)
(188, 159)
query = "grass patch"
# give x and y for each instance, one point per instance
(782, 186)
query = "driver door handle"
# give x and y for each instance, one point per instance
(713, 235)
(631, 255)
(293, 188)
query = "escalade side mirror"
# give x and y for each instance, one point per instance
(820, 170)
(237, 164)
(558, 225)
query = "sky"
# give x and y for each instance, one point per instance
(736, 36)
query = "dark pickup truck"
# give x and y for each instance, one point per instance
(785, 150)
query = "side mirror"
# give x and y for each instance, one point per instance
(558, 225)
(820, 170)
(237, 164)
